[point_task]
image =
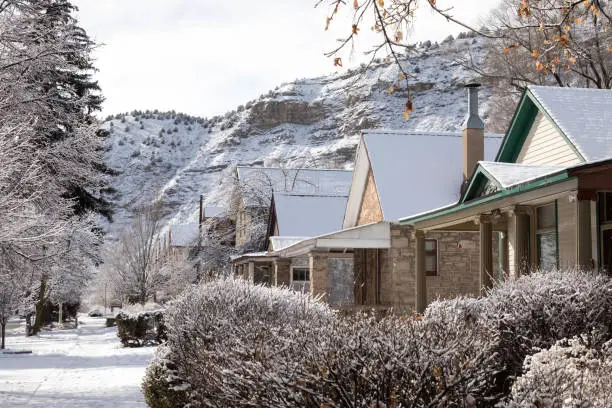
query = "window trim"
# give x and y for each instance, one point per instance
(437, 254)
(299, 267)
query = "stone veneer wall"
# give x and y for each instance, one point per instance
(458, 267)
(370, 210)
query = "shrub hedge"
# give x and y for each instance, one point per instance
(141, 329)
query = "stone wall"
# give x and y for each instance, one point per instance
(370, 210)
(458, 268)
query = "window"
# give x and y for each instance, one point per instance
(546, 236)
(605, 208)
(300, 279)
(301, 274)
(431, 257)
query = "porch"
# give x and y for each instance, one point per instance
(562, 220)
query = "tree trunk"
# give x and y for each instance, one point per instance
(61, 313)
(40, 306)
(3, 324)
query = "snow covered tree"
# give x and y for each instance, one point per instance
(55, 161)
(134, 261)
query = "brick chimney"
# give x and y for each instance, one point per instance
(473, 134)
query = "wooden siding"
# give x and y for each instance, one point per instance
(370, 210)
(545, 145)
(566, 227)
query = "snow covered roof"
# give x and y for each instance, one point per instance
(510, 174)
(308, 215)
(374, 235)
(417, 171)
(266, 180)
(184, 235)
(583, 115)
(210, 211)
(279, 243)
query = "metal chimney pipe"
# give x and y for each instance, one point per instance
(473, 134)
(472, 120)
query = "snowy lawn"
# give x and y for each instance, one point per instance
(86, 367)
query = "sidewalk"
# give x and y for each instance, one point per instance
(86, 367)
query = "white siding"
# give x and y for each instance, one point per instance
(566, 227)
(545, 145)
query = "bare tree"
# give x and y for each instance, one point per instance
(561, 35)
(134, 261)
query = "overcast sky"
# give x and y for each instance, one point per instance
(205, 57)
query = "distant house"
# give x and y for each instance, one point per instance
(256, 185)
(549, 188)
(182, 239)
(301, 203)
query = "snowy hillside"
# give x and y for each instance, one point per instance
(306, 123)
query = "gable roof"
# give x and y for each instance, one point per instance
(510, 174)
(504, 176)
(581, 115)
(308, 216)
(417, 171)
(263, 181)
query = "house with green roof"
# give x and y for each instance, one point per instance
(546, 200)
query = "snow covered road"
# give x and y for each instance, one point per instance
(85, 368)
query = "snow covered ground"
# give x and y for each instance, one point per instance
(86, 367)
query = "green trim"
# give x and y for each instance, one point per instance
(521, 123)
(515, 137)
(557, 231)
(479, 179)
(522, 188)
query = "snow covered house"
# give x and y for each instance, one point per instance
(181, 239)
(548, 191)
(398, 173)
(280, 205)
(255, 186)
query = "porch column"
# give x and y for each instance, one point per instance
(419, 270)
(518, 231)
(282, 270)
(503, 254)
(486, 253)
(319, 277)
(251, 275)
(583, 234)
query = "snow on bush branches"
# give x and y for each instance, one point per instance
(234, 344)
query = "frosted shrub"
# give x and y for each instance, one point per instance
(162, 386)
(538, 310)
(534, 312)
(234, 344)
(569, 374)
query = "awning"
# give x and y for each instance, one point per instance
(375, 235)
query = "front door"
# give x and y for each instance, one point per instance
(606, 249)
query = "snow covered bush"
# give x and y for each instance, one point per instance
(162, 387)
(569, 374)
(235, 344)
(140, 329)
(534, 312)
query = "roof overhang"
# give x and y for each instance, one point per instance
(253, 257)
(375, 235)
(547, 187)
